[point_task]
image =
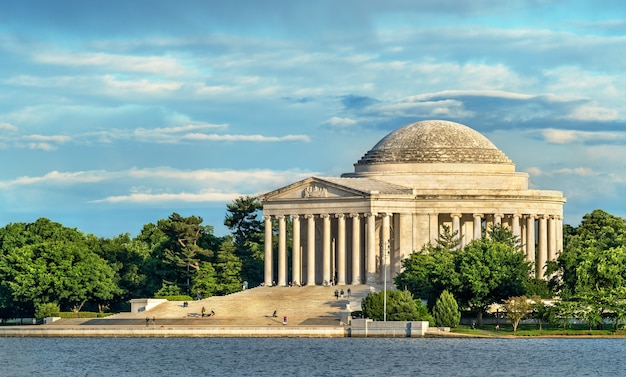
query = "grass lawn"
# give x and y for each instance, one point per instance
(531, 330)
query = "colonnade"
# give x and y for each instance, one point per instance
(358, 248)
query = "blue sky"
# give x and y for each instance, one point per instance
(116, 114)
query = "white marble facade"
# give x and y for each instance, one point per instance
(402, 192)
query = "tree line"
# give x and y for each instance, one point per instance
(587, 281)
(43, 262)
(46, 263)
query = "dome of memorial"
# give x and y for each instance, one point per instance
(434, 141)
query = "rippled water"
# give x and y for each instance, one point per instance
(310, 357)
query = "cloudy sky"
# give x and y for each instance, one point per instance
(116, 114)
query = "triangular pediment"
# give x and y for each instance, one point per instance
(312, 188)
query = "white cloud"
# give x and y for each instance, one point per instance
(256, 138)
(593, 113)
(159, 184)
(338, 122)
(56, 177)
(162, 135)
(7, 127)
(534, 171)
(573, 136)
(161, 65)
(580, 171)
(47, 138)
(170, 197)
(140, 86)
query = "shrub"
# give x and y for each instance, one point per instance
(401, 306)
(177, 298)
(49, 309)
(446, 311)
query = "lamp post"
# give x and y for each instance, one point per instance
(385, 249)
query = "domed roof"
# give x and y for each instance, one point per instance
(434, 141)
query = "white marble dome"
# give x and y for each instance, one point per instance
(434, 141)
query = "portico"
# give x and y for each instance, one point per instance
(403, 192)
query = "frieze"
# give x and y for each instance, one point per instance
(315, 192)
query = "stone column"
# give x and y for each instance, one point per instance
(551, 238)
(385, 241)
(371, 248)
(530, 242)
(456, 225)
(434, 227)
(478, 225)
(282, 251)
(341, 249)
(489, 221)
(356, 249)
(296, 251)
(559, 235)
(310, 250)
(542, 253)
(268, 250)
(497, 218)
(326, 248)
(516, 226)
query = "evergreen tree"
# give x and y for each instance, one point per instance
(446, 311)
(182, 249)
(228, 269)
(243, 220)
(449, 240)
(205, 281)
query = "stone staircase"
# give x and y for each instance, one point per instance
(315, 306)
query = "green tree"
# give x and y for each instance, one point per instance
(449, 240)
(540, 313)
(181, 249)
(401, 306)
(517, 308)
(563, 312)
(205, 280)
(48, 309)
(446, 311)
(427, 273)
(45, 262)
(228, 269)
(243, 220)
(502, 234)
(127, 258)
(489, 272)
(592, 266)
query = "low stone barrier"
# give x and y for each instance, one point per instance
(165, 332)
(395, 329)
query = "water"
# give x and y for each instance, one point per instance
(310, 357)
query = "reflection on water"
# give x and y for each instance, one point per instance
(310, 357)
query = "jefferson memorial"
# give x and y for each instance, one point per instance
(357, 229)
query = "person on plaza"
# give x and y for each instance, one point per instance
(349, 292)
(203, 311)
(336, 294)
